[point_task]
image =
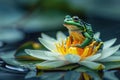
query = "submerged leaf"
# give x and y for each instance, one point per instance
(20, 53)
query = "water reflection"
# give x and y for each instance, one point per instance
(82, 73)
(58, 75)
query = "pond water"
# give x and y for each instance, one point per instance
(13, 73)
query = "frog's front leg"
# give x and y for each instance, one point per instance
(87, 41)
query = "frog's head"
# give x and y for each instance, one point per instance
(72, 23)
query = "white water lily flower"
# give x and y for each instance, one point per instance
(60, 53)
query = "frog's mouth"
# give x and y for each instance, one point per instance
(71, 27)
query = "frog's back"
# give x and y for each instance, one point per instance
(89, 29)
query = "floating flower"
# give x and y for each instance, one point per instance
(61, 53)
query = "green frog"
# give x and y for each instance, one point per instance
(78, 27)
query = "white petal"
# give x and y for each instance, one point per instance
(92, 65)
(50, 64)
(45, 55)
(49, 45)
(46, 37)
(72, 58)
(97, 35)
(109, 43)
(60, 36)
(93, 58)
(111, 59)
(109, 51)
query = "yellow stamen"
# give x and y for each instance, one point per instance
(65, 48)
(91, 48)
(86, 50)
(68, 42)
(72, 50)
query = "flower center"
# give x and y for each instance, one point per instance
(65, 48)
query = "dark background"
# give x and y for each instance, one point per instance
(36, 16)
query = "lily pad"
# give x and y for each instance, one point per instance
(20, 52)
(14, 64)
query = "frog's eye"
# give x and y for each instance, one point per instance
(76, 18)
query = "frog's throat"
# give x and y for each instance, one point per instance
(75, 30)
(71, 27)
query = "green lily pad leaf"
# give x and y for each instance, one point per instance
(20, 53)
(9, 59)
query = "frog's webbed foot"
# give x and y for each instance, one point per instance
(100, 46)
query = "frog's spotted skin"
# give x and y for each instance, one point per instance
(78, 27)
